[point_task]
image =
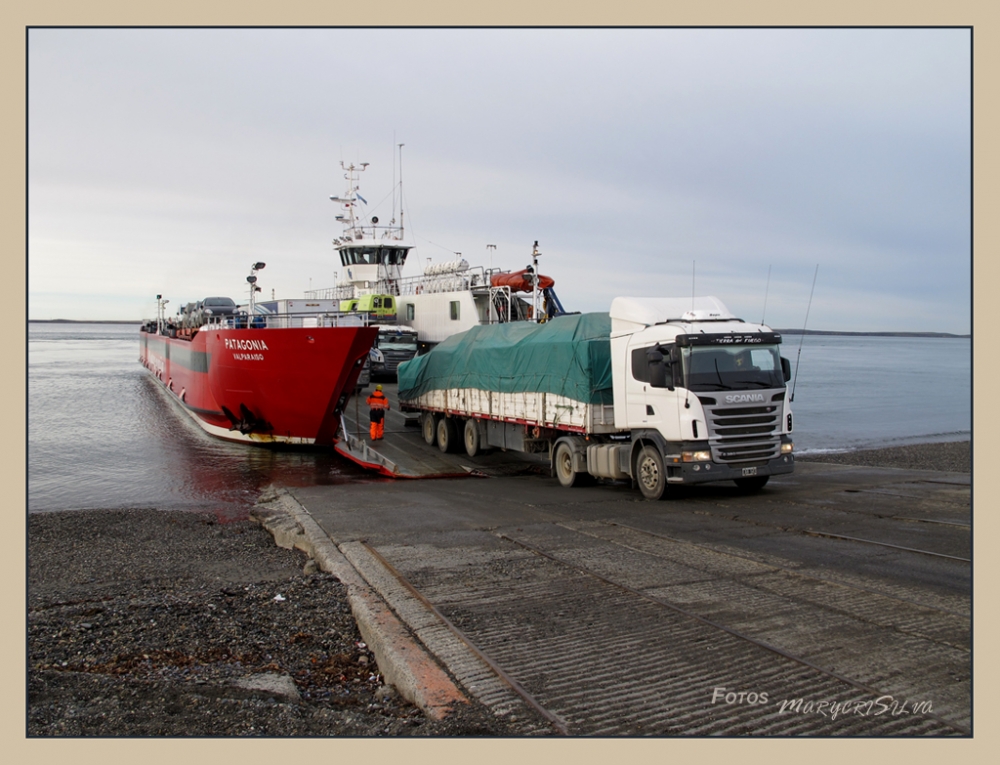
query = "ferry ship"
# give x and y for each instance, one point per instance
(259, 378)
(447, 298)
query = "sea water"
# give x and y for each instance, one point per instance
(858, 392)
(103, 434)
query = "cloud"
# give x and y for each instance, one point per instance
(168, 160)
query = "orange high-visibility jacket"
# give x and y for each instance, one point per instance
(377, 400)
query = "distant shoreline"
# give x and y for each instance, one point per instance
(869, 334)
(84, 321)
(781, 331)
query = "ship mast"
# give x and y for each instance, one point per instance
(161, 312)
(349, 200)
(254, 289)
(401, 190)
(534, 283)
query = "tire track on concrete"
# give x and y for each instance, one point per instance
(612, 662)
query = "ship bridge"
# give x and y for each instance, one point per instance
(372, 254)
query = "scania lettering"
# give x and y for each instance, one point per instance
(744, 398)
(661, 391)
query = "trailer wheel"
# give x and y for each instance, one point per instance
(473, 446)
(651, 476)
(752, 484)
(446, 436)
(428, 426)
(562, 461)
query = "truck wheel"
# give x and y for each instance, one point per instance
(446, 436)
(471, 434)
(428, 426)
(562, 462)
(752, 484)
(649, 473)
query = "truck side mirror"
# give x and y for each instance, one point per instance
(786, 369)
(658, 370)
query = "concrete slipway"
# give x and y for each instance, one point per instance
(593, 612)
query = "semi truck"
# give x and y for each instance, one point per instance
(395, 344)
(659, 391)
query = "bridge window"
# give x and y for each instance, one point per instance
(455, 310)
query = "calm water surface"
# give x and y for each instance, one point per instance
(101, 434)
(862, 392)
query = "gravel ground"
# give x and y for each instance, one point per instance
(150, 623)
(153, 623)
(952, 457)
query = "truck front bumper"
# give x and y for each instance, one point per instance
(702, 472)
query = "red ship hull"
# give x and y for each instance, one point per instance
(262, 386)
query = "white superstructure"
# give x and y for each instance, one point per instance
(448, 298)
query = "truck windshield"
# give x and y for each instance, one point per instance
(398, 342)
(735, 367)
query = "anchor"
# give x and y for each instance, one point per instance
(247, 423)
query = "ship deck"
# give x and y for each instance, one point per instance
(403, 453)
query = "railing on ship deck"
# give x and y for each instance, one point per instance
(293, 320)
(474, 278)
(267, 321)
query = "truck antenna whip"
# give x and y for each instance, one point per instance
(687, 402)
(766, 288)
(803, 336)
(692, 284)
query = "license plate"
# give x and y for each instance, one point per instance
(749, 471)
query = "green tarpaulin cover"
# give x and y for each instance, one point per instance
(568, 355)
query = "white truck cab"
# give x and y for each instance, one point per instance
(703, 389)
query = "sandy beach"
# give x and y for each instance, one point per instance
(951, 456)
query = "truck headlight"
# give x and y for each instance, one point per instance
(786, 448)
(696, 456)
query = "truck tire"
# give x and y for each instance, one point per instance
(650, 473)
(428, 427)
(752, 484)
(470, 432)
(562, 464)
(447, 438)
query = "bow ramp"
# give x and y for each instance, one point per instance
(403, 452)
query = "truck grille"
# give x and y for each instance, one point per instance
(743, 433)
(394, 358)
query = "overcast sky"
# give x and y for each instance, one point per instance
(167, 161)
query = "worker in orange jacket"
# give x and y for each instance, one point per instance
(379, 405)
